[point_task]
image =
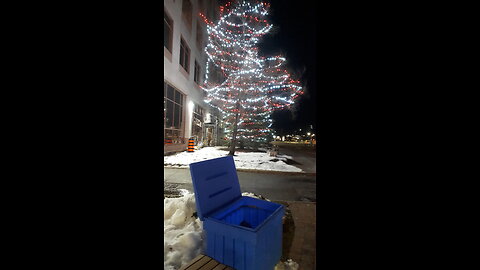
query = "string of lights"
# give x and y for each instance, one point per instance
(239, 82)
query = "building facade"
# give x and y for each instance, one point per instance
(185, 113)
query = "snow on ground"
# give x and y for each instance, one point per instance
(288, 265)
(249, 194)
(183, 233)
(243, 160)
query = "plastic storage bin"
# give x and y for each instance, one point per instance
(242, 232)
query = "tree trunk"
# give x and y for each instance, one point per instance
(235, 128)
(234, 136)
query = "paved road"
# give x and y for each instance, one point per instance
(274, 186)
(305, 158)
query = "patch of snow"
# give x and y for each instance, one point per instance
(183, 233)
(243, 160)
(284, 156)
(249, 194)
(288, 265)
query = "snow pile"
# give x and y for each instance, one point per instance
(249, 194)
(288, 265)
(283, 157)
(243, 160)
(183, 233)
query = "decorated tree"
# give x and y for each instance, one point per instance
(244, 86)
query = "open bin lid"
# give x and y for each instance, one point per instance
(215, 183)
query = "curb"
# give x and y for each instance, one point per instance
(255, 171)
(293, 202)
(277, 172)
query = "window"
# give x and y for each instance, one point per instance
(199, 35)
(184, 55)
(216, 13)
(209, 14)
(196, 74)
(197, 123)
(201, 7)
(187, 13)
(173, 113)
(216, 74)
(220, 76)
(167, 31)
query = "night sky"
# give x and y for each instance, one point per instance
(294, 36)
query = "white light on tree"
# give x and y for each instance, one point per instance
(243, 85)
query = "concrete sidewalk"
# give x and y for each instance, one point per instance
(275, 186)
(303, 247)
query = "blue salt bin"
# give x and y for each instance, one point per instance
(242, 232)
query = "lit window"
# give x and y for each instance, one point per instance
(173, 114)
(197, 123)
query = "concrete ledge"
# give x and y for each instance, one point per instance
(253, 171)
